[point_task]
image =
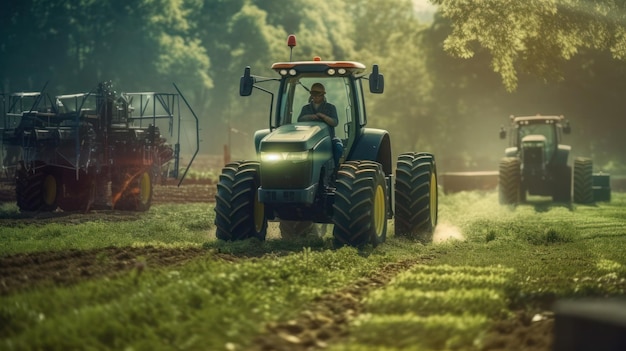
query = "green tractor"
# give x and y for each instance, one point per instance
(308, 172)
(536, 163)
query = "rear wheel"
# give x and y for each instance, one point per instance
(360, 208)
(238, 213)
(132, 190)
(416, 193)
(583, 180)
(510, 180)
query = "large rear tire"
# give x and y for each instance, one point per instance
(238, 213)
(510, 181)
(132, 190)
(583, 180)
(360, 208)
(416, 196)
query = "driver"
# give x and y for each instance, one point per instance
(318, 109)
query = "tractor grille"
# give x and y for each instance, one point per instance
(286, 175)
(533, 156)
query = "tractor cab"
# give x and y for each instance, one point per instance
(342, 83)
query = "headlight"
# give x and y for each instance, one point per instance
(284, 156)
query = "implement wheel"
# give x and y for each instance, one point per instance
(132, 190)
(238, 213)
(360, 208)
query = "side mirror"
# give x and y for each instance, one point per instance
(502, 133)
(246, 82)
(566, 128)
(377, 81)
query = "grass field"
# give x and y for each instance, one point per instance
(488, 262)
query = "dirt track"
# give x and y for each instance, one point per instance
(26, 271)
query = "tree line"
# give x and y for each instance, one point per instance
(451, 82)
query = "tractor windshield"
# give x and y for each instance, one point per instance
(296, 94)
(547, 130)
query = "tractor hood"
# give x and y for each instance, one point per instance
(535, 140)
(301, 136)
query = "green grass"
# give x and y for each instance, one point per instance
(163, 225)
(527, 257)
(510, 257)
(203, 305)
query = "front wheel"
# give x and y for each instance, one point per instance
(238, 213)
(417, 200)
(360, 208)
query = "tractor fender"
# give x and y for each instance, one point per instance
(374, 145)
(258, 135)
(511, 151)
(562, 154)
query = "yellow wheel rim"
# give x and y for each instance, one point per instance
(259, 213)
(379, 210)
(49, 189)
(433, 198)
(144, 188)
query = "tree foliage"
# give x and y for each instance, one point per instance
(450, 82)
(535, 36)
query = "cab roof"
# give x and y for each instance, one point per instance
(316, 66)
(537, 119)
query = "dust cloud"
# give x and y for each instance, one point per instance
(447, 232)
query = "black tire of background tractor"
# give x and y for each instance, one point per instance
(509, 180)
(36, 190)
(563, 185)
(416, 196)
(132, 190)
(360, 208)
(583, 180)
(238, 213)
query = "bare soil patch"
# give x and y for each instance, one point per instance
(24, 271)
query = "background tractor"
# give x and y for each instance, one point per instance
(89, 150)
(295, 178)
(536, 163)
